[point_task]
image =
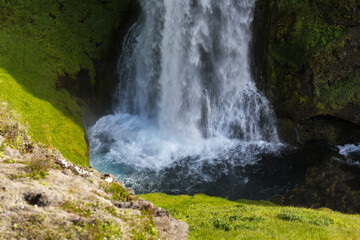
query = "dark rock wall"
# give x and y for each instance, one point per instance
(307, 62)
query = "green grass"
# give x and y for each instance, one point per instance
(217, 218)
(41, 41)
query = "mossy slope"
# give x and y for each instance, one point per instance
(217, 218)
(41, 41)
(310, 52)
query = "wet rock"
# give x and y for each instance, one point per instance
(331, 184)
(302, 81)
(39, 199)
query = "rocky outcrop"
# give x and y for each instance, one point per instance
(43, 196)
(169, 227)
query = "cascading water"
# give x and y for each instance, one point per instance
(187, 110)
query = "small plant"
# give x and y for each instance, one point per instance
(305, 217)
(148, 229)
(229, 222)
(37, 175)
(9, 161)
(118, 192)
(83, 209)
(38, 169)
(89, 180)
(37, 219)
(111, 210)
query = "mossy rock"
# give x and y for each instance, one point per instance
(307, 62)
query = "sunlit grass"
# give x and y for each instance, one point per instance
(217, 218)
(40, 41)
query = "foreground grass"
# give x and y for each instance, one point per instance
(41, 41)
(217, 218)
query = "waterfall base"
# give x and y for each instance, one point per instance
(148, 160)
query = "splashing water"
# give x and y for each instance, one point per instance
(186, 102)
(351, 152)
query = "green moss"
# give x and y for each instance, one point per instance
(302, 30)
(341, 92)
(318, 33)
(309, 62)
(118, 192)
(40, 41)
(217, 218)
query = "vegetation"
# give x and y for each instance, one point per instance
(118, 192)
(148, 230)
(310, 56)
(38, 168)
(217, 218)
(94, 229)
(81, 208)
(41, 41)
(15, 135)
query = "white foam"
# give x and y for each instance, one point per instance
(348, 148)
(138, 142)
(349, 151)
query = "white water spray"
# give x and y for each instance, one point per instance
(185, 90)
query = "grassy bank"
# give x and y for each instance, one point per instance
(41, 41)
(217, 218)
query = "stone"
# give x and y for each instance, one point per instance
(67, 172)
(38, 199)
(170, 228)
(330, 184)
(131, 191)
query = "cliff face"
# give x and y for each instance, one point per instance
(43, 196)
(309, 53)
(307, 62)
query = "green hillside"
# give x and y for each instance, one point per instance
(218, 218)
(41, 41)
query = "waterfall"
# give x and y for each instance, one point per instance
(185, 92)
